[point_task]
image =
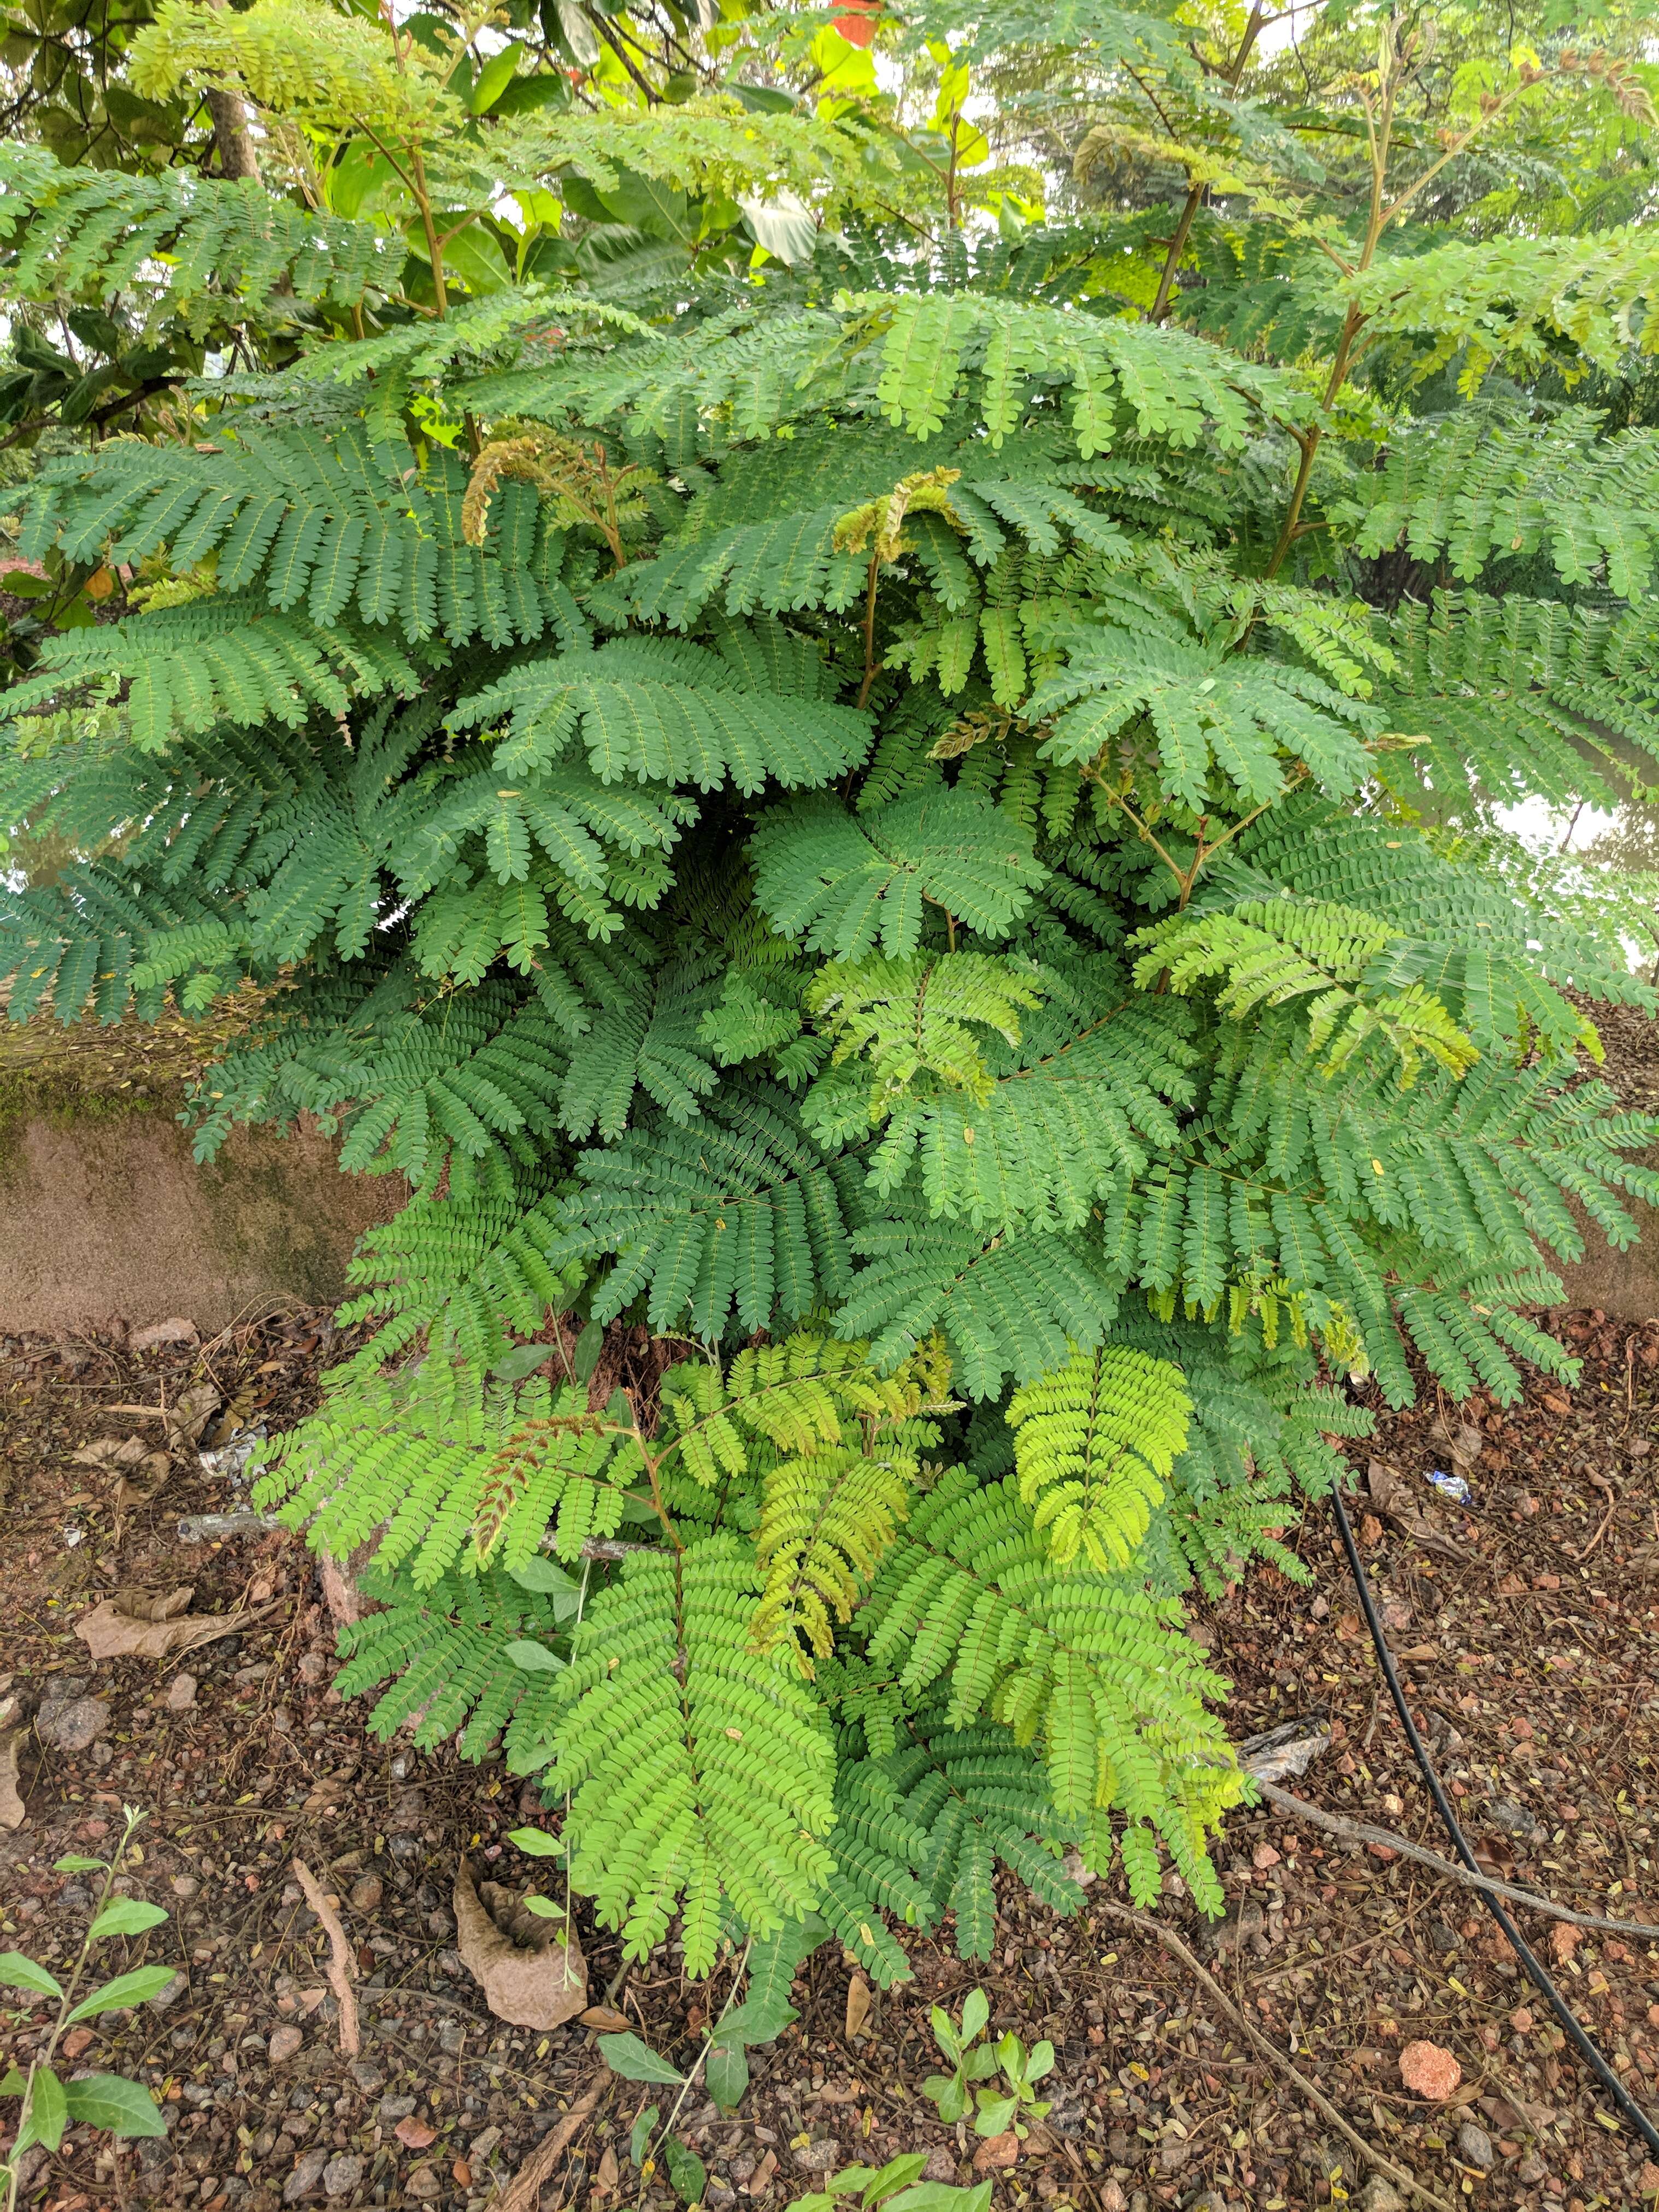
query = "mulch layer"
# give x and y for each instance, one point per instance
(1526, 1624)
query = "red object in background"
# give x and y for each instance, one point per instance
(856, 21)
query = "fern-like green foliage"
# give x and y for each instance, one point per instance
(695, 1768)
(200, 245)
(903, 844)
(1093, 1443)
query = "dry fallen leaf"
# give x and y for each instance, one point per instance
(1383, 1481)
(146, 1605)
(13, 1812)
(413, 2133)
(531, 1976)
(606, 2020)
(110, 1451)
(609, 2171)
(138, 1489)
(144, 1625)
(1464, 1443)
(999, 2152)
(858, 2006)
(185, 1420)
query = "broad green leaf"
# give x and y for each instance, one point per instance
(994, 2112)
(545, 1575)
(535, 1843)
(48, 2108)
(136, 1988)
(761, 2018)
(534, 1658)
(77, 1863)
(111, 2102)
(940, 2196)
(493, 79)
(18, 1972)
(687, 2171)
(637, 2062)
(727, 2076)
(127, 1916)
(897, 2173)
(522, 1359)
(641, 2131)
(975, 2012)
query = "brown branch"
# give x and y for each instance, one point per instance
(1361, 1831)
(1235, 69)
(339, 1957)
(524, 2191)
(1172, 1944)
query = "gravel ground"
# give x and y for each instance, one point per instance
(1526, 1625)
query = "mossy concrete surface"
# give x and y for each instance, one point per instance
(107, 1215)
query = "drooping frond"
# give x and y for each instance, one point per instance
(479, 1471)
(1090, 1666)
(694, 1767)
(209, 249)
(1094, 1442)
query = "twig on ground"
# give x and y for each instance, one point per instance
(339, 1957)
(526, 2187)
(1612, 1497)
(1361, 1831)
(1400, 2175)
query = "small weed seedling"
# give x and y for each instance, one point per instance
(100, 2100)
(896, 2187)
(971, 2060)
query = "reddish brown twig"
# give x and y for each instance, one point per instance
(339, 1957)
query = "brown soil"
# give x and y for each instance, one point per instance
(1531, 1660)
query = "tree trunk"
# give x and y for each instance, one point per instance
(237, 156)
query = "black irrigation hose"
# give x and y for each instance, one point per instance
(1558, 2004)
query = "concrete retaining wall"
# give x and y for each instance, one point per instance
(105, 1215)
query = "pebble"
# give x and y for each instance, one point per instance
(366, 1893)
(284, 2043)
(75, 1726)
(484, 2143)
(941, 2165)
(391, 2109)
(1380, 2195)
(368, 2075)
(181, 1694)
(1430, 2071)
(1475, 2146)
(170, 1994)
(304, 2176)
(423, 2184)
(256, 1672)
(185, 1885)
(1514, 1820)
(821, 2157)
(342, 2175)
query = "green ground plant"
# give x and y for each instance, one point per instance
(48, 2103)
